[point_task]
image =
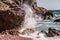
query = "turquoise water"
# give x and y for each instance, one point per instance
(45, 24)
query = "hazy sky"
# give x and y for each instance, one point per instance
(49, 4)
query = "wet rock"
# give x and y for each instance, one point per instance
(11, 14)
(44, 32)
(28, 31)
(53, 32)
(57, 20)
(48, 15)
(50, 33)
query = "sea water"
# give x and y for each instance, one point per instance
(38, 25)
(50, 23)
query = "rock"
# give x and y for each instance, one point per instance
(28, 31)
(57, 20)
(50, 33)
(8, 35)
(44, 32)
(48, 15)
(53, 32)
(12, 15)
(10, 32)
(9, 21)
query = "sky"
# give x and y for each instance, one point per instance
(49, 4)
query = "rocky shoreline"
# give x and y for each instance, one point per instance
(12, 35)
(12, 17)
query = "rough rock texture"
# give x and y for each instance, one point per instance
(9, 21)
(52, 32)
(12, 16)
(12, 35)
(48, 15)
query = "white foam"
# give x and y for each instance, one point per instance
(56, 15)
(41, 36)
(31, 19)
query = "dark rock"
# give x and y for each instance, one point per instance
(53, 32)
(9, 21)
(57, 20)
(48, 15)
(50, 33)
(44, 31)
(12, 16)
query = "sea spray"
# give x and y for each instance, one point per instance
(31, 19)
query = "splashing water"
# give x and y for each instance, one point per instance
(30, 20)
(41, 36)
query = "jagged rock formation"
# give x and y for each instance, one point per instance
(11, 14)
(48, 15)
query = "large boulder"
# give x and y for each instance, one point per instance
(9, 21)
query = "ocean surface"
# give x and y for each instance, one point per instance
(45, 24)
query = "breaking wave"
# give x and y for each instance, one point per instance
(32, 21)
